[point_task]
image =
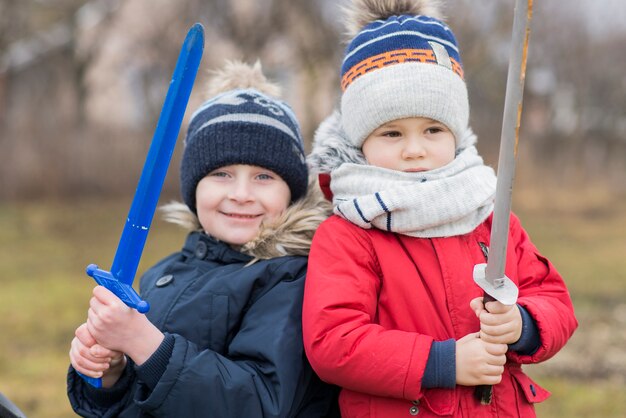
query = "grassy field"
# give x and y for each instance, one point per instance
(46, 246)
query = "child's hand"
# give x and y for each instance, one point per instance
(479, 362)
(118, 327)
(499, 324)
(90, 358)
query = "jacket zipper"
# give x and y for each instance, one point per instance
(484, 249)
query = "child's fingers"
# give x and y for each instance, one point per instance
(105, 296)
(85, 363)
(102, 352)
(493, 377)
(84, 336)
(85, 352)
(496, 307)
(477, 305)
(498, 350)
(498, 329)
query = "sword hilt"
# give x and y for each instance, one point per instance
(484, 393)
(96, 382)
(125, 292)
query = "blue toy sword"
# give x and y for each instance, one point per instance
(120, 279)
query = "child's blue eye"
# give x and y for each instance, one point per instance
(264, 177)
(218, 174)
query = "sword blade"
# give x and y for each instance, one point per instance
(491, 277)
(494, 272)
(144, 203)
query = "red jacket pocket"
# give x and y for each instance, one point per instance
(440, 401)
(531, 390)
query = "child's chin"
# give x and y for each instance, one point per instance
(240, 237)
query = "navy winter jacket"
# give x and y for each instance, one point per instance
(233, 342)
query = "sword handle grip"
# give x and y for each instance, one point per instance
(484, 393)
(125, 292)
(96, 382)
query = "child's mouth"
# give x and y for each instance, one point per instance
(240, 215)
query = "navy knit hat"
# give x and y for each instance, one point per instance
(243, 126)
(401, 63)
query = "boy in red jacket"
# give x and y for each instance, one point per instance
(391, 312)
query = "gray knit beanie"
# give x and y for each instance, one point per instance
(401, 63)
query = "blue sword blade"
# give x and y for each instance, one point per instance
(135, 232)
(144, 203)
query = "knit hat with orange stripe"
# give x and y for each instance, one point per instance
(401, 64)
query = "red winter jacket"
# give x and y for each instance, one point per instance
(375, 301)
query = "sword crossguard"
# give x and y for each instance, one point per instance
(502, 289)
(125, 292)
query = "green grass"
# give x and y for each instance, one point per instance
(45, 293)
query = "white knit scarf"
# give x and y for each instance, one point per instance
(448, 201)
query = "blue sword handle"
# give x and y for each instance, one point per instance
(126, 293)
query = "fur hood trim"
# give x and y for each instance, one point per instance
(332, 148)
(360, 13)
(290, 234)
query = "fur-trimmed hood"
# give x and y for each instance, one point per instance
(290, 234)
(332, 148)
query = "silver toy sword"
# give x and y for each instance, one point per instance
(490, 277)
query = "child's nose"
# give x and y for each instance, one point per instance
(413, 148)
(241, 191)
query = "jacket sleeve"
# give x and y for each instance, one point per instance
(342, 340)
(544, 295)
(264, 372)
(90, 402)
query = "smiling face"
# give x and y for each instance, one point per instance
(410, 145)
(234, 200)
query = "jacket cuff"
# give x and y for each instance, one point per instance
(151, 370)
(107, 397)
(529, 341)
(440, 371)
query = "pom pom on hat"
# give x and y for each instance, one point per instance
(402, 62)
(243, 124)
(239, 75)
(360, 13)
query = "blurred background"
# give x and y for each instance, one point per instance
(81, 87)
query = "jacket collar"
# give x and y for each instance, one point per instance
(204, 247)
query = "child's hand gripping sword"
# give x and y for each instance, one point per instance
(490, 277)
(120, 279)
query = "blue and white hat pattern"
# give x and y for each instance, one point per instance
(243, 126)
(399, 67)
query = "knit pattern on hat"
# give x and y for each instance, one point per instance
(399, 67)
(243, 126)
